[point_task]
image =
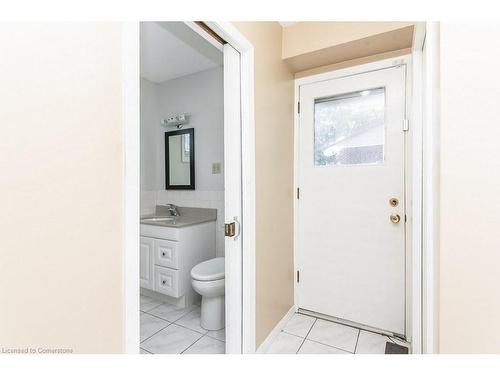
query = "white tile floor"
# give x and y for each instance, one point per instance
(307, 335)
(167, 329)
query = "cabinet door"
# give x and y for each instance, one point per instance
(146, 263)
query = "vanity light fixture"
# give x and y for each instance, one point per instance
(177, 121)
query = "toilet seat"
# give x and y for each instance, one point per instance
(212, 269)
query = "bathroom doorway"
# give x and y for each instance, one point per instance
(191, 218)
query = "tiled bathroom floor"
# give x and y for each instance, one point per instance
(167, 329)
(307, 335)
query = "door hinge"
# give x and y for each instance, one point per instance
(406, 125)
(298, 193)
(298, 276)
(230, 229)
(298, 107)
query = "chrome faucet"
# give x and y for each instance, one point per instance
(172, 209)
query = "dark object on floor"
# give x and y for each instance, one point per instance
(391, 348)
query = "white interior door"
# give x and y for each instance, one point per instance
(232, 186)
(351, 256)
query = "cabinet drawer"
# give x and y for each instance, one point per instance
(166, 254)
(167, 281)
(157, 231)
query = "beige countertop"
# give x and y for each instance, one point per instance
(187, 216)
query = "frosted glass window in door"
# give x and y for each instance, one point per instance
(349, 129)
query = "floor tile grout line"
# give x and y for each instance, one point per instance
(148, 312)
(205, 335)
(310, 329)
(330, 346)
(395, 340)
(168, 325)
(174, 321)
(145, 311)
(302, 343)
(357, 340)
(392, 339)
(192, 330)
(190, 311)
(214, 338)
(179, 325)
(154, 307)
(183, 315)
(159, 317)
(154, 316)
(293, 334)
(166, 303)
(318, 342)
(307, 334)
(202, 335)
(199, 338)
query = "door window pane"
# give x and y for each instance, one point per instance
(349, 129)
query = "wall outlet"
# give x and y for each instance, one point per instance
(215, 168)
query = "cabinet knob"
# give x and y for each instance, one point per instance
(163, 282)
(163, 254)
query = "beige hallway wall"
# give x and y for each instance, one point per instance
(470, 186)
(61, 187)
(274, 94)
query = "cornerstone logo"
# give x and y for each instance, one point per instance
(38, 350)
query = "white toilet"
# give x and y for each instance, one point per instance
(208, 279)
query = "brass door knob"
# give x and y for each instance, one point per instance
(395, 218)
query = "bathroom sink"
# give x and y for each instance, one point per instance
(157, 219)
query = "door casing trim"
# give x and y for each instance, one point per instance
(413, 180)
(131, 183)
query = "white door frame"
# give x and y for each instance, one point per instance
(430, 185)
(419, 213)
(131, 168)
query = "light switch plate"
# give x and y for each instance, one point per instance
(215, 168)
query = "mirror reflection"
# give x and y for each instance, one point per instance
(179, 159)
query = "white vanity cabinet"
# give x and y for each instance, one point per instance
(168, 254)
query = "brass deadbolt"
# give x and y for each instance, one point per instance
(395, 218)
(394, 202)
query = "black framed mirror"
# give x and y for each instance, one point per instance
(179, 159)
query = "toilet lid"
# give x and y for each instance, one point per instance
(209, 270)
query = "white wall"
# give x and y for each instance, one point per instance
(61, 186)
(150, 119)
(470, 188)
(201, 96)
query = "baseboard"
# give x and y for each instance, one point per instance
(262, 349)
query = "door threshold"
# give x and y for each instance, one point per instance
(350, 323)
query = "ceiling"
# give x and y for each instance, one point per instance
(171, 49)
(286, 24)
